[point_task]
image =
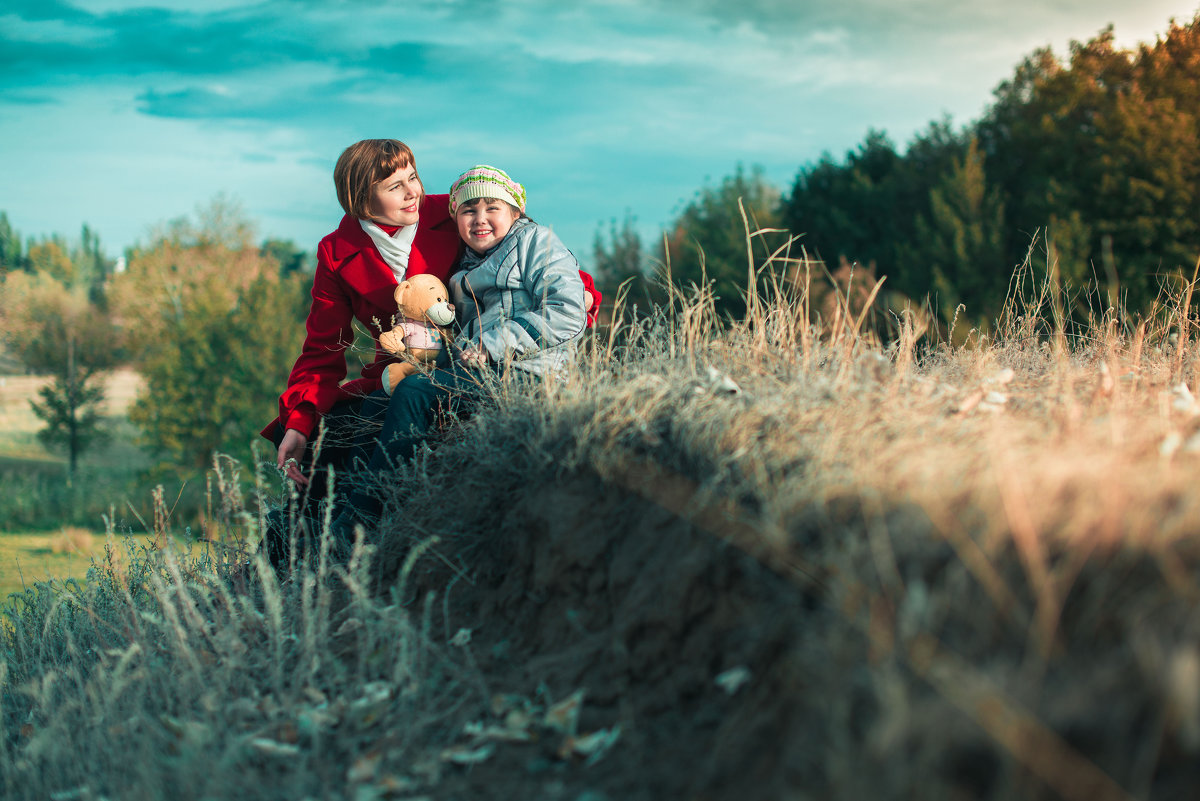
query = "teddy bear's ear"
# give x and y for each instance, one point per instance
(401, 289)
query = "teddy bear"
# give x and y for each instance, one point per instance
(422, 303)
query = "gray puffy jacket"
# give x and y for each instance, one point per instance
(522, 300)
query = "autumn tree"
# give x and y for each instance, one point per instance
(51, 257)
(1106, 145)
(214, 328)
(1091, 162)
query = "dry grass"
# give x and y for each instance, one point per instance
(1002, 535)
(72, 539)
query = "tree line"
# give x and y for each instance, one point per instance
(1087, 168)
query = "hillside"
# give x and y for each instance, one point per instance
(753, 563)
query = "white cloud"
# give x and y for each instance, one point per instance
(46, 31)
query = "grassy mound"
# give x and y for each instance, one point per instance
(757, 561)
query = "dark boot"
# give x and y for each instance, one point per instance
(277, 539)
(360, 509)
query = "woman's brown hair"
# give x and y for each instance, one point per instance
(364, 164)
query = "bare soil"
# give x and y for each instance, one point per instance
(642, 611)
(738, 675)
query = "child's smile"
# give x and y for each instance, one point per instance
(482, 223)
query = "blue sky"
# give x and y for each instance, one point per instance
(123, 115)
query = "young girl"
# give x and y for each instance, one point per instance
(521, 305)
(517, 288)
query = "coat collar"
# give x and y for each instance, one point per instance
(435, 238)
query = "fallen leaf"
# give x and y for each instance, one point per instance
(364, 768)
(733, 679)
(564, 716)
(591, 746)
(466, 755)
(272, 748)
(502, 734)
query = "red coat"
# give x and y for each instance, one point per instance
(353, 281)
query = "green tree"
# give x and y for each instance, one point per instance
(707, 241)
(215, 329)
(12, 253)
(865, 209)
(963, 240)
(212, 380)
(284, 251)
(619, 259)
(55, 330)
(847, 210)
(92, 267)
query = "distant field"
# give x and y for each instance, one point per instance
(31, 557)
(35, 478)
(19, 425)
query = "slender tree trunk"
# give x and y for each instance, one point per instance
(72, 413)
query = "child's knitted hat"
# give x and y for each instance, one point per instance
(484, 181)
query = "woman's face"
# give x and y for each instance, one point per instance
(396, 199)
(484, 222)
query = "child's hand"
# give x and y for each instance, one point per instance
(473, 356)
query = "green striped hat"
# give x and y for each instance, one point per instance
(485, 181)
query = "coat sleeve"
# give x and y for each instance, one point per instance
(465, 307)
(589, 286)
(549, 273)
(313, 384)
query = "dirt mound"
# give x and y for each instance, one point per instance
(714, 673)
(694, 649)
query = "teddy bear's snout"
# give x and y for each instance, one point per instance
(441, 313)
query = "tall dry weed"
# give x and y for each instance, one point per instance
(207, 673)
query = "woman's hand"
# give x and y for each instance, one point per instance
(473, 356)
(291, 451)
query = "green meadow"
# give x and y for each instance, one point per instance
(52, 527)
(32, 556)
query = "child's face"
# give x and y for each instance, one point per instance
(396, 199)
(484, 222)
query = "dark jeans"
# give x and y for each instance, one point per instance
(342, 446)
(414, 405)
(406, 418)
(365, 437)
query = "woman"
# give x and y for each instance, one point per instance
(390, 230)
